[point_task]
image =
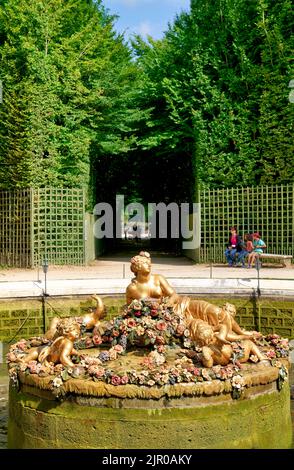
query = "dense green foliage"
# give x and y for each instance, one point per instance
(68, 92)
(218, 85)
(208, 103)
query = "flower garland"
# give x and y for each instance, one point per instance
(151, 325)
(143, 323)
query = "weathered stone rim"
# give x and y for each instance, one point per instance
(260, 375)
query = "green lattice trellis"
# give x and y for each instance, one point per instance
(58, 225)
(42, 222)
(266, 209)
(15, 228)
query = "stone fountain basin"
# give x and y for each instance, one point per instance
(97, 415)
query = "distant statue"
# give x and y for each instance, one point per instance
(146, 285)
(61, 349)
(88, 321)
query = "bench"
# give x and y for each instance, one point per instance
(284, 259)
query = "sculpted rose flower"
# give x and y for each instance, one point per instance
(161, 325)
(150, 383)
(115, 333)
(159, 340)
(271, 354)
(124, 380)
(142, 379)
(118, 348)
(155, 305)
(157, 358)
(97, 340)
(11, 357)
(140, 331)
(22, 345)
(96, 371)
(238, 381)
(131, 323)
(99, 372)
(77, 371)
(165, 378)
(147, 361)
(150, 334)
(188, 375)
(154, 313)
(136, 305)
(92, 369)
(115, 380)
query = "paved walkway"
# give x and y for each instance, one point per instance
(111, 275)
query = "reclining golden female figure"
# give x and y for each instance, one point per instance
(61, 349)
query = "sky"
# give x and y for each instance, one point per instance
(145, 17)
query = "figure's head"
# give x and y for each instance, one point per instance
(248, 237)
(202, 332)
(233, 230)
(230, 309)
(141, 263)
(256, 236)
(68, 328)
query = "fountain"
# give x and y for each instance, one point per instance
(169, 372)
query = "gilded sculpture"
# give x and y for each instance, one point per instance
(216, 351)
(155, 318)
(88, 321)
(61, 349)
(146, 285)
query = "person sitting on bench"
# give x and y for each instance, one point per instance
(258, 247)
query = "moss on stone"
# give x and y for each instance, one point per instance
(263, 421)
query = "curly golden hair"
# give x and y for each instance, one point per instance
(66, 326)
(201, 332)
(137, 261)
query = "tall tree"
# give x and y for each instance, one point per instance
(217, 83)
(68, 88)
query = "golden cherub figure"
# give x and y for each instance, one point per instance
(220, 318)
(89, 321)
(61, 349)
(214, 350)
